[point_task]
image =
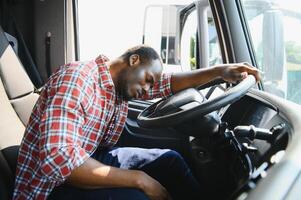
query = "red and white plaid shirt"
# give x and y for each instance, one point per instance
(77, 111)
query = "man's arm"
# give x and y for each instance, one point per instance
(228, 72)
(93, 174)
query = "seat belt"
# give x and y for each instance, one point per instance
(27, 60)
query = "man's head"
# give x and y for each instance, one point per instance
(141, 68)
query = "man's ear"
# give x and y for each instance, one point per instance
(134, 60)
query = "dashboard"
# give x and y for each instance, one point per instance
(239, 162)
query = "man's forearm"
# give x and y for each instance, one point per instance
(93, 174)
(228, 72)
(180, 81)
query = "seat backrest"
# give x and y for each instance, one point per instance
(17, 84)
(17, 99)
(11, 133)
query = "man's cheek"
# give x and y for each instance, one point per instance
(133, 89)
(130, 90)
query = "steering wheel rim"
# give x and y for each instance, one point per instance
(205, 107)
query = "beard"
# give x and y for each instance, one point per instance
(122, 87)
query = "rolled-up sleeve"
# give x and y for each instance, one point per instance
(161, 89)
(61, 133)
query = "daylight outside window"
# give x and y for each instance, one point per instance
(275, 27)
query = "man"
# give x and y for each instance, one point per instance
(67, 151)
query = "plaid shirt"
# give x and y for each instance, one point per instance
(77, 111)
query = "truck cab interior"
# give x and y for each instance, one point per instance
(242, 141)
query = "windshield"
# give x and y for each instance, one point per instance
(274, 26)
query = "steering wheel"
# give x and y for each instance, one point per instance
(188, 104)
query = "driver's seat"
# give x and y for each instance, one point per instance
(17, 99)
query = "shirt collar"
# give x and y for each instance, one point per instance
(105, 78)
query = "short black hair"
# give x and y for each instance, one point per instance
(145, 52)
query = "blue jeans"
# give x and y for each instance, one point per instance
(166, 166)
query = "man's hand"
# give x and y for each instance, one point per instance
(152, 188)
(237, 72)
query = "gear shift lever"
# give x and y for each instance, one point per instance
(252, 132)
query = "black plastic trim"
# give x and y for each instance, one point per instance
(76, 29)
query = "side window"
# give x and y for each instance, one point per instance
(274, 26)
(161, 32)
(189, 39)
(177, 43)
(215, 56)
(188, 42)
(189, 45)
